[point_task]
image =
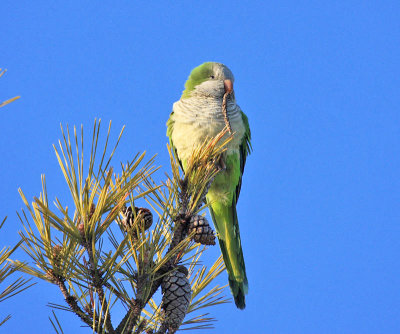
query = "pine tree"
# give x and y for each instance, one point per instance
(110, 249)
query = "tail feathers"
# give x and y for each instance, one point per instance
(238, 290)
(226, 224)
(239, 287)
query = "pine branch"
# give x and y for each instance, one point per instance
(97, 283)
(71, 300)
(180, 233)
(69, 247)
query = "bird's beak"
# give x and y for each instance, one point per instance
(228, 86)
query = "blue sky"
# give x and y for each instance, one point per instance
(319, 209)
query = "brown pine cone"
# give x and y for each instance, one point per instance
(145, 214)
(203, 232)
(176, 292)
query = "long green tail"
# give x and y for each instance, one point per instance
(227, 226)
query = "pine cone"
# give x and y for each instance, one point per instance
(176, 292)
(146, 217)
(203, 232)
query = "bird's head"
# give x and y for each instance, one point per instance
(209, 79)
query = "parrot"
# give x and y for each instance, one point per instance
(197, 117)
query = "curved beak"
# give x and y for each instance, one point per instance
(228, 86)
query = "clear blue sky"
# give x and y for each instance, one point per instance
(320, 204)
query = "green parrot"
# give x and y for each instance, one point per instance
(196, 117)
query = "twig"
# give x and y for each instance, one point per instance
(130, 319)
(225, 112)
(71, 300)
(97, 283)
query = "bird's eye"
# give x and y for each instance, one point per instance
(211, 76)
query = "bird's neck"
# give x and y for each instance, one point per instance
(205, 108)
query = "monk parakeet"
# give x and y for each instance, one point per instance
(196, 117)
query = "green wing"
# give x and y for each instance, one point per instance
(245, 149)
(225, 218)
(170, 129)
